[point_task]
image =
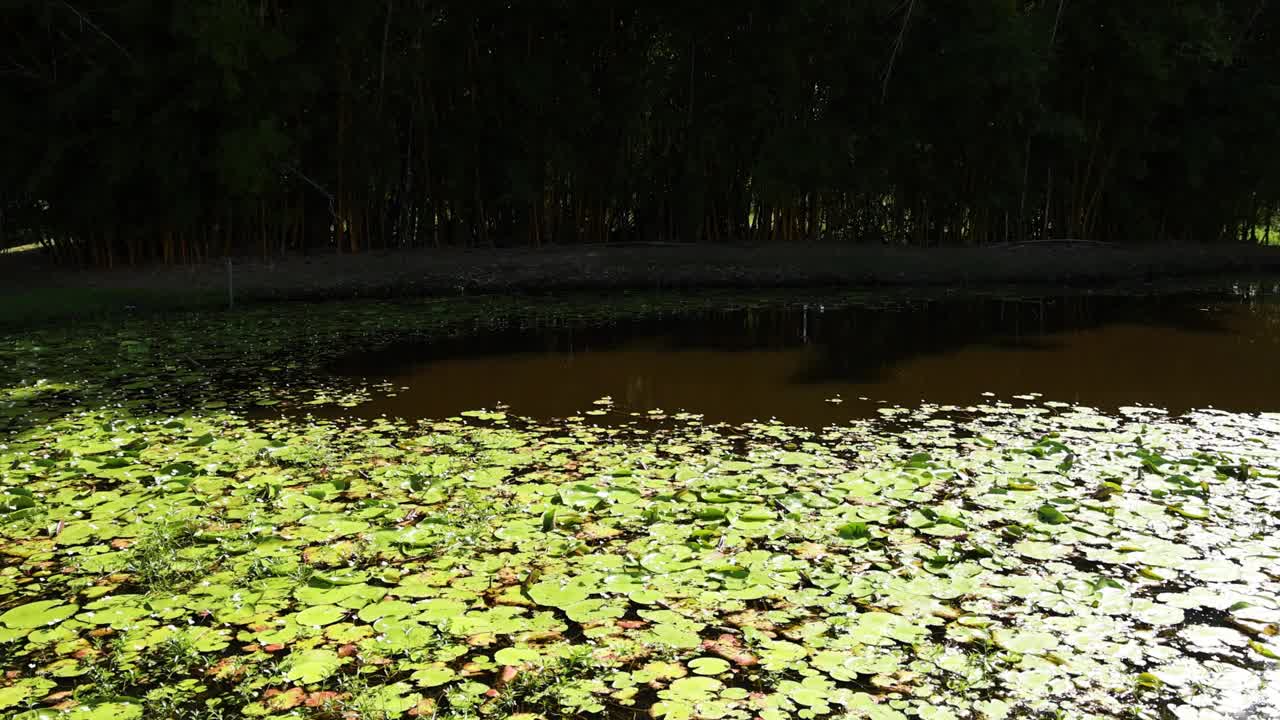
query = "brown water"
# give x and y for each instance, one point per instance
(790, 363)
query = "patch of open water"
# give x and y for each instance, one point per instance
(818, 365)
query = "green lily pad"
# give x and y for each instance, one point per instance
(433, 676)
(22, 691)
(695, 689)
(1026, 641)
(709, 666)
(517, 656)
(37, 614)
(320, 615)
(309, 667)
(554, 593)
(1051, 515)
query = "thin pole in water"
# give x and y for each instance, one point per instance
(231, 293)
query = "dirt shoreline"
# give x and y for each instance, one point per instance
(448, 272)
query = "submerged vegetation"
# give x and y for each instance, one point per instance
(172, 546)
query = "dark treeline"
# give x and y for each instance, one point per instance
(144, 130)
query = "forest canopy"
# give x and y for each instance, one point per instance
(139, 131)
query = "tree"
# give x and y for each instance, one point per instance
(140, 131)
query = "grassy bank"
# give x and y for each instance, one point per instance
(36, 291)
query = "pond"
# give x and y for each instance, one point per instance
(222, 515)
(818, 364)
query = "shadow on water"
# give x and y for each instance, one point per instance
(1175, 352)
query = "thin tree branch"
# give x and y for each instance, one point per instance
(897, 47)
(84, 19)
(1057, 21)
(318, 187)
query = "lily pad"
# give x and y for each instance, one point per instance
(320, 615)
(709, 666)
(311, 666)
(37, 614)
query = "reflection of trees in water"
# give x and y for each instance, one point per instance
(639, 393)
(859, 344)
(863, 346)
(1264, 306)
(1174, 352)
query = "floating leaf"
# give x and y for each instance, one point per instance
(311, 666)
(1051, 515)
(708, 666)
(320, 615)
(37, 614)
(517, 656)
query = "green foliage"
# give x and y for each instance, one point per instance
(183, 131)
(200, 560)
(157, 561)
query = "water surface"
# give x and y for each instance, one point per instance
(814, 364)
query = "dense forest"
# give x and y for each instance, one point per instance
(144, 130)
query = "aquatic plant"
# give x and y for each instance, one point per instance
(166, 551)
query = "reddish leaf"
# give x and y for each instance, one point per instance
(730, 648)
(320, 699)
(287, 700)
